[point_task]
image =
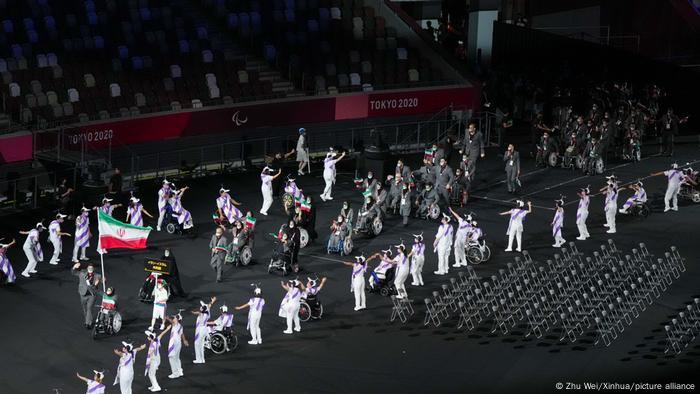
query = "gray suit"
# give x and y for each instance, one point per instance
(474, 146)
(87, 291)
(512, 169)
(217, 258)
(443, 178)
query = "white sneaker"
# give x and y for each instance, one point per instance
(362, 307)
(33, 271)
(198, 362)
(323, 197)
(300, 172)
(622, 211)
(519, 250)
(84, 258)
(611, 231)
(330, 198)
(456, 265)
(263, 213)
(155, 390)
(173, 376)
(298, 329)
(581, 238)
(356, 309)
(260, 342)
(252, 342)
(287, 331)
(556, 245)
(675, 208)
(26, 275)
(437, 272)
(157, 228)
(54, 262)
(509, 250)
(606, 225)
(667, 209)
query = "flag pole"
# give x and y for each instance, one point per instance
(102, 262)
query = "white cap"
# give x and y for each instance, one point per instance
(257, 291)
(150, 334)
(60, 216)
(40, 224)
(100, 374)
(360, 259)
(224, 308)
(106, 200)
(166, 182)
(519, 203)
(222, 190)
(83, 209)
(134, 200)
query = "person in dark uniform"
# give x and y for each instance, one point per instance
(512, 161)
(88, 282)
(175, 284)
(293, 235)
(669, 129)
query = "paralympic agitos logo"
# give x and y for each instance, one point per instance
(238, 120)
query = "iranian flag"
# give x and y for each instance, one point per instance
(115, 234)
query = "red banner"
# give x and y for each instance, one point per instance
(285, 112)
(15, 147)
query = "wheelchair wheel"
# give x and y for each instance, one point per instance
(303, 237)
(170, 228)
(144, 296)
(347, 246)
(486, 252)
(232, 341)
(217, 342)
(552, 159)
(377, 226)
(304, 312)
(269, 266)
(695, 196)
(474, 255)
(598, 166)
(580, 162)
(116, 323)
(644, 210)
(637, 155)
(287, 200)
(384, 291)
(97, 327)
(434, 211)
(318, 313)
(245, 256)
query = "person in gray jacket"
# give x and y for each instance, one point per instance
(473, 146)
(88, 281)
(402, 169)
(512, 160)
(405, 203)
(443, 181)
(218, 252)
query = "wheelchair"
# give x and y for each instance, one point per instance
(571, 159)
(632, 150)
(639, 208)
(433, 211)
(594, 165)
(368, 223)
(170, 220)
(310, 308)
(281, 260)
(690, 193)
(458, 195)
(146, 290)
(241, 255)
(384, 286)
(546, 158)
(477, 252)
(340, 244)
(222, 341)
(107, 322)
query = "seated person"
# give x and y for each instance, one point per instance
(639, 196)
(427, 198)
(592, 152)
(239, 236)
(109, 301)
(544, 148)
(367, 213)
(339, 231)
(382, 199)
(395, 192)
(223, 322)
(384, 271)
(571, 149)
(474, 233)
(460, 186)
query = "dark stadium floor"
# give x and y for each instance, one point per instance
(44, 343)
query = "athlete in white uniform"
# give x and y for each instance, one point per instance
(611, 193)
(267, 178)
(256, 304)
(582, 213)
(515, 225)
(82, 235)
(558, 223)
(329, 173)
(417, 257)
(463, 228)
(357, 281)
(163, 196)
(32, 249)
(442, 245)
(153, 358)
(675, 177)
(55, 235)
(125, 372)
(177, 339)
(94, 385)
(289, 307)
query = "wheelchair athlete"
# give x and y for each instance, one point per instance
(369, 211)
(340, 231)
(427, 198)
(241, 238)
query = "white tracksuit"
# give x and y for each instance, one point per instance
(163, 196)
(152, 363)
(557, 226)
(611, 209)
(289, 308)
(357, 285)
(32, 249)
(200, 334)
(515, 228)
(582, 215)
(674, 186)
(54, 229)
(444, 243)
(460, 243)
(402, 270)
(256, 305)
(328, 177)
(266, 189)
(81, 238)
(174, 348)
(125, 372)
(417, 261)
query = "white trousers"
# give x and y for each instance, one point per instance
(443, 252)
(516, 233)
(267, 199)
(329, 179)
(161, 216)
(31, 261)
(152, 376)
(400, 279)
(417, 269)
(174, 359)
(460, 256)
(610, 214)
(358, 287)
(671, 196)
(558, 239)
(57, 248)
(76, 249)
(125, 380)
(199, 344)
(293, 316)
(254, 327)
(581, 224)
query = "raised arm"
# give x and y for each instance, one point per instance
(323, 282)
(657, 173)
(505, 213)
(279, 172)
(454, 214)
(118, 352)
(238, 308)
(529, 207)
(83, 378)
(146, 212)
(162, 333)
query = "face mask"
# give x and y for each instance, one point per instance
(90, 270)
(291, 225)
(345, 207)
(167, 253)
(369, 176)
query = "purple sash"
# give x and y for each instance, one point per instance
(93, 386)
(582, 206)
(163, 194)
(558, 221)
(515, 215)
(201, 322)
(175, 335)
(135, 213)
(6, 267)
(81, 232)
(154, 349)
